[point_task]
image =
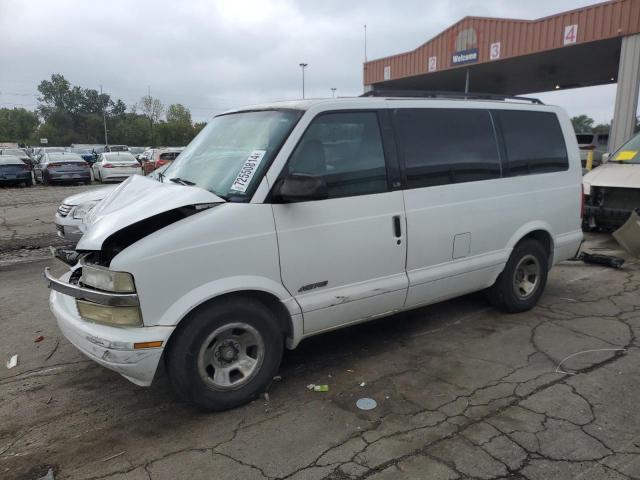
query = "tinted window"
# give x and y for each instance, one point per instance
(584, 138)
(533, 142)
(346, 149)
(447, 146)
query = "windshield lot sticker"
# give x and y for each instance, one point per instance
(626, 155)
(247, 171)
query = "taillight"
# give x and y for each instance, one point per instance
(588, 147)
(107, 165)
(54, 165)
(26, 168)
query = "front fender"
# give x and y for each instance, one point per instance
(190, 300)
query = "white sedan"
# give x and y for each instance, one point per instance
(115, 166)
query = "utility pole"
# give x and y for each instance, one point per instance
(104, 119)
(303, 66)
(333, 91)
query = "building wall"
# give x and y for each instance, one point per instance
(612, 19)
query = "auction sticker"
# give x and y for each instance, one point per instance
(247, 171)
(626, 155)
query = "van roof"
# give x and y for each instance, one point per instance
(362, 101)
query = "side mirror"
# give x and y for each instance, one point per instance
(605, 157)
(300, 187)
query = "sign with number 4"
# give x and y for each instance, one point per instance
(570, 34)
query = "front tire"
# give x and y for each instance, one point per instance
(225, 354)
(521, 283)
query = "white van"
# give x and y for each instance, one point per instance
(287, 220)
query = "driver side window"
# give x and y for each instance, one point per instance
(346, 150)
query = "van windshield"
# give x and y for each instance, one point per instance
(230, 155)
(629, 152)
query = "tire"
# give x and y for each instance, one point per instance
(45, 180)
(224, 328)
(526, 268)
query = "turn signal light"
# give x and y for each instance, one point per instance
(140, 345)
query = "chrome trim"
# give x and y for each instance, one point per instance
(103, 298)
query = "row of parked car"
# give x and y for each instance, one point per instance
(80, 164)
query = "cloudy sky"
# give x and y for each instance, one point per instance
(211, 55)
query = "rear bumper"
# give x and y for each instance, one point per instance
(68, 177)
(17, 178)
(119, 175)
(111, 347)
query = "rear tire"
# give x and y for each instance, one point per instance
(225, 354)
(520, 285)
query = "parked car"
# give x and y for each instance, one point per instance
(115, 166)
(592, 142)
(157, 157)
(71, 212)
(21, 154)
(14, 171)
(612, 191)
(116, 148)
(136, 151)
(87, 154)
(63, 167)
(302, 217)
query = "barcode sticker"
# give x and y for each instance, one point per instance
(247, 171)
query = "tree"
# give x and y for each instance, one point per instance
(582, 124)
(153, 109)
(17, 125)
(602, 128)
(178, 114)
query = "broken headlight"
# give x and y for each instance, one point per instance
(81, 210)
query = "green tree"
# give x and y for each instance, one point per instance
(17, 125)
(582, 124)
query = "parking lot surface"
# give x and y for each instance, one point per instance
(26, 216)
(462, 391)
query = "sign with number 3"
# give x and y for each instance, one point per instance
(494, 51)
(570, 34)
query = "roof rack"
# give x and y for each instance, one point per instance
(446, 94)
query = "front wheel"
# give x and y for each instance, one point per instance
(226, 353)
(521, 283)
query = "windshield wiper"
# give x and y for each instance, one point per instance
(181, 181)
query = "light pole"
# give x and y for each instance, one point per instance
(104, 118)
(333, 91)
(303, 66)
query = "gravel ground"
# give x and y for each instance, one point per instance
(462, 391)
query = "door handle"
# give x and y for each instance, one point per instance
(397, 228)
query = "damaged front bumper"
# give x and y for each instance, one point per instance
(124, 350)
(607, 216)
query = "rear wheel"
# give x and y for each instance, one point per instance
(225, 354)
(521, 283)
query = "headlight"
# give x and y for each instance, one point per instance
(586, 188)
(107, 280)
(81, 210)
(125, 316)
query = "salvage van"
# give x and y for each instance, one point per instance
(283, 221)
(612, 191)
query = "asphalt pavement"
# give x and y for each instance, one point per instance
(462, 390)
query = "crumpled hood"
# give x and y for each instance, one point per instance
(90, 196)
(136, 199)
(614, 175)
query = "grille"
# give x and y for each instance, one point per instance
(628, 198)
(63, 210)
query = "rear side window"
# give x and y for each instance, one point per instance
(346, 149)
(584, 139)
(442, 146)
(168, 156)
(533, 142)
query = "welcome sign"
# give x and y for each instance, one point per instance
(466, 56)
(465, 47)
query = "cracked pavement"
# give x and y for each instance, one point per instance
(463, 391)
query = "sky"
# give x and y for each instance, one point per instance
(213, 55)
